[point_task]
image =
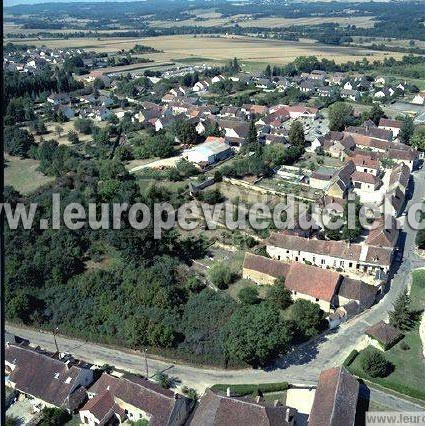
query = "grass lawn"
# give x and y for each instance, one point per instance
(417, 293)
(23, 174)
(408, 376)
(234, 288)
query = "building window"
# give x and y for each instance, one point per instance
(323, 261)
(341, 263)
(317, 299)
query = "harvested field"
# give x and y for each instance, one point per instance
(221, 48)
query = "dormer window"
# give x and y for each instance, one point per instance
(57, 375)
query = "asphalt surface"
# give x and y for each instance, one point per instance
(302, 366)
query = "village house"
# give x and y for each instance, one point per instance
(419, 99)
(325, 91)
(64, 110)
(318, 75)
(336, 79)
(403, 154)
(327, 288)
(384, 232)
(399, 178)
(320, 177)
(371, 131)
(341, 184)
(211, 151)
(364, 182)
(385, 92)
(115, 399)
(59, 99)
(366, 162)
(330, 254)
(201, 86)
(46, 379)
(217, 79)
(219, 410)
(382, 336)
(393, 125)
(353, 95)
(335, 400)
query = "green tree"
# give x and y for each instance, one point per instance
(220, 275)
(54, 417)
(375, 114)
(278, 295)
(309, 319)
(12, 421)
(401, 317)
(204, 315)
(268, 72)
(340, 116)
(418, 139)
(420, 239)
(73, 137)
(374, 363)
(255, 334)
(406, 131)
(17, 141)
(296, 134)
(248, 296)
(251, 139)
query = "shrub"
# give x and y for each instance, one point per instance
(248, 389)
(374, 363)
(351, 357)
(220, 275)
(248, 296)
(404, 346)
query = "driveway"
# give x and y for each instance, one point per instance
(163, 162)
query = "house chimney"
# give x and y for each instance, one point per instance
(228, 391)
(287, 414)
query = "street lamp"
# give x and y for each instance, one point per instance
(54, 337)
(146, 363)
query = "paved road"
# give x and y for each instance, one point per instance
(302, 365)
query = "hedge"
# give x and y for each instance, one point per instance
(248, 389)
(351, 357)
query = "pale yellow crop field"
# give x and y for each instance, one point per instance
(359, 21)
(247, 21)
(220, 48)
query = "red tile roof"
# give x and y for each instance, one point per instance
(274, 268)
(338, 249)
(218, 410)
(384, 333)
(364, 177)
(335, 400)
(140, 393)
(103, 407)
(40, 375)
(312, 281)
(386, 122)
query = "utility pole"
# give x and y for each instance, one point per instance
(54, 337)
(146, 363)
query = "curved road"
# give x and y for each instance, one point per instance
(303, 365)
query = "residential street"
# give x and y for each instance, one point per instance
(302, 366)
